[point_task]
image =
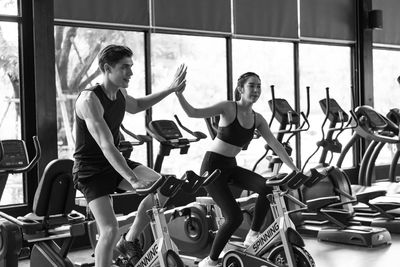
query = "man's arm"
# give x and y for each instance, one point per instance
(89, 108)
(135, 105)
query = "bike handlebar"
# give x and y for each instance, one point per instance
(139, 137)
(190, 183)
(299, 129)
(194, 181)
(293, 180)
(196, 134)
(153, 188)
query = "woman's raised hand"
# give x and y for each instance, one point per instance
(179, 82)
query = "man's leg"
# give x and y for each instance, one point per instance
(103, 213)
(141, 220)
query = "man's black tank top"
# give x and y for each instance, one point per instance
(87, 151)
(235, 134)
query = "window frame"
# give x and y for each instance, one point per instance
(31, 123)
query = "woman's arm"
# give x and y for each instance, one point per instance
(210, 111)
(266, 133)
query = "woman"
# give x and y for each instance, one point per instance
(236, 128)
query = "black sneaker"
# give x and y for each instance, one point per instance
(131, 250)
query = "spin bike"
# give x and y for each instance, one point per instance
(280, 244)
(163, 252)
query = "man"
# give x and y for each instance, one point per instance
(99, 167)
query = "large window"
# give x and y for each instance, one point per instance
(324, 66)
(273, 62)
(10, 111)
(77, 68)
(206, 84)
(386, 90)
(9, 7)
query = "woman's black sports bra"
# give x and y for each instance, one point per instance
(235, 134)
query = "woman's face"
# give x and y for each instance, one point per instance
(251, 89)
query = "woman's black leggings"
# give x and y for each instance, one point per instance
(231, 174)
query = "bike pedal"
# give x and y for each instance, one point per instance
(25, 253)
(122, 262)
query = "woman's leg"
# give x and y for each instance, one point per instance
(221, 194)
(103, 213)
(252, 181)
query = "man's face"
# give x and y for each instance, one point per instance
(121, 73)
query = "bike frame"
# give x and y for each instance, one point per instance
(279, 230)
(162, 243)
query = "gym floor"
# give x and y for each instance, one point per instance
(325, 254)
(337, 255)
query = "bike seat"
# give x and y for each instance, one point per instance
(194, 181)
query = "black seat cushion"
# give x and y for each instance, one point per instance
(55, 194)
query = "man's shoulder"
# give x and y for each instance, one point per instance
(123, 91)
(87, 100)
(86, 96)
(91, 89)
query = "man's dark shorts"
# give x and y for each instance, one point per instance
(95, 181)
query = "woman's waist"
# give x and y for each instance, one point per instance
(224, 148)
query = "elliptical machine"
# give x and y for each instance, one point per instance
(378, 209)
(289, 124)
(394, 116)
(329, 198)
(366, 174)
